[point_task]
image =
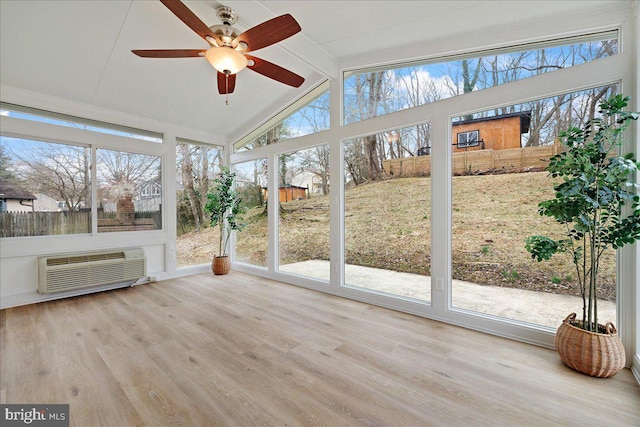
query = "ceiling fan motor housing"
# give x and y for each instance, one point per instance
(226, 33)
(227, 15)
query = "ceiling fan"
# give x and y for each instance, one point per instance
(228, 49)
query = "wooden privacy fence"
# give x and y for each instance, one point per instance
(478, 161)
(22, 224)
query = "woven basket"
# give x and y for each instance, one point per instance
(220, 265)
(595, 354)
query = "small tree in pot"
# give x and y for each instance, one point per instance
(590, 201)
(223, 206)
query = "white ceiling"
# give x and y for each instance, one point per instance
(81, 50)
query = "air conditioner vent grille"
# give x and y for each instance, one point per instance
(74, 271)
(79, 259)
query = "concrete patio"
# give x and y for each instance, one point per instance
(539, 308)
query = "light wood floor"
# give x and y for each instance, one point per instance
(244, 351)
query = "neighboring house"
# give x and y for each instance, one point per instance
(310, 182)
(146, 197)
(150, 190)
(497, 132)
(44, 203)
(149, 197)
(13, 198)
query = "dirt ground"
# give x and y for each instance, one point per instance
(197, 247)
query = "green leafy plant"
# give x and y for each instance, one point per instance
(596, 199)
(224, 208)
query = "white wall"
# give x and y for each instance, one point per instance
(15, 206)
(44, 203)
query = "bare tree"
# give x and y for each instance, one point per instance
(316, 161)
(57, 170)
(186, 174)
(196, 165)
(368, 94)
(121, 167)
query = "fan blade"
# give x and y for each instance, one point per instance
(170, 53)
(226, 83)
(188, 17)
(275, 72)
(268, 33)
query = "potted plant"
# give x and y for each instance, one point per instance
(223, 206)
(597, 203)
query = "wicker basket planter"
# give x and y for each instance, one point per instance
(596, 354)
(220, 265)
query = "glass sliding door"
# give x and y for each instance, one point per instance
(387, 212)
(498, 163)
(303, 227)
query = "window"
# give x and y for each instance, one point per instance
(129, 191)
(251, 184)
(150, 189)
(387, 213)
(51, 183)
(197, 165)
(46, 188)
(495, 207)
(303, 227)
(383, 90)
(468, 139)
(43, 116)
(309, 114)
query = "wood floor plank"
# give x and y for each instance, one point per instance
(239, 350)
(154, 395)
(31, 376)
(203, 380)
(91, 390)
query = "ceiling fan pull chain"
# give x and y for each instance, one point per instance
(226, 77)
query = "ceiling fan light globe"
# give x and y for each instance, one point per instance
(226, 60)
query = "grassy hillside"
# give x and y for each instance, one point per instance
(387, 225)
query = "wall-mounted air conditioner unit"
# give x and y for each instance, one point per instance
(66, 272)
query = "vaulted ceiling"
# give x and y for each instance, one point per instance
(81, 50)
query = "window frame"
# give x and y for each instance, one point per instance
(468, 143)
